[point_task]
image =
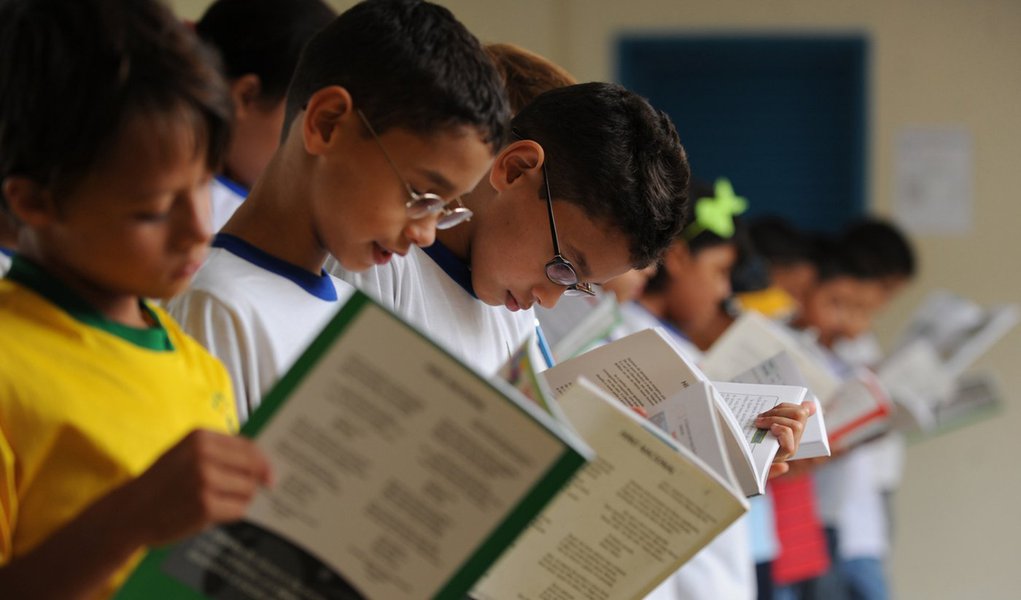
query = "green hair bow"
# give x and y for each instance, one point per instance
(717, 214)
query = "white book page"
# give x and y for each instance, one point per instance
(641, 370)
(781, 370)
(746, 402)
(859, 404)
(754, 339)
(630, 519)
(689, 417)
(376, 478)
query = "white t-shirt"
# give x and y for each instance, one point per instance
(430, 289)
(256, 313)
(5, 260)
(227, 196)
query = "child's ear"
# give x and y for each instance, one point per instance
(244, 93)
(326, 111)
(515, 160)
(29, 202)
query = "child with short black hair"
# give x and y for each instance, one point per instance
(111, 123)
(259, 42)
(394, 111)
(545, 222)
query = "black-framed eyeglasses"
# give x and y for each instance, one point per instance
(559, 270)
(426, 204)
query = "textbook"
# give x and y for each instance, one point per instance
(958, 329)
(646, 370)
(781, 370)
(754, 339)
(859, 410)
(628, 521)
(925, 374)
(400, 474)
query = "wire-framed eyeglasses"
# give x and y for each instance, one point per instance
(421, 205)
(559, 270)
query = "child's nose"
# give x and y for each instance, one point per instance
(547, 294)
(421, 232)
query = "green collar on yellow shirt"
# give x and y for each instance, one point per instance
(39, 281)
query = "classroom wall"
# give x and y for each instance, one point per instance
(934, 62)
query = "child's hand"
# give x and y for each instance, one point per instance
(787, 422)
(207, 478)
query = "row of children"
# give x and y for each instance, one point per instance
(394, 130)
(823, 529)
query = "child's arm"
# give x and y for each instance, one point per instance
(787, 422)
(206, 478)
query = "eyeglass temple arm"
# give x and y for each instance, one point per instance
(549, 207)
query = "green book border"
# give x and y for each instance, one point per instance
(149, 576)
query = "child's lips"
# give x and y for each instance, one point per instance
(381, 255)
(511, 302)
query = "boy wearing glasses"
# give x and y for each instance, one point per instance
(383, 130)
(592, 184)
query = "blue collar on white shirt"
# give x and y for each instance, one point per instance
(454, 267)
(321, 286)
(232, 185)
(7, 251)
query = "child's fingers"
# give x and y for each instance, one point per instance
(800, 412)
(788, 443)
(231, 453)
(778, 469)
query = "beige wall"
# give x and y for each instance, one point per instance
(958, 530)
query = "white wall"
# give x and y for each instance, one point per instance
(958, 529)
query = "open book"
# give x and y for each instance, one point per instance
(959, 330)
(943, 339)
(645, 370)
(630, 519)
(400, 474)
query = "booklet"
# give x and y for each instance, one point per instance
(754, 339)
(858, 411)
(628, 521)
(646, 370)
(400, 474)
(781, 370)
(944, 338)
(958, 329)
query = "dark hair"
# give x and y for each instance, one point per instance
(72, 74)
(705, 239)
(262, 37)
(408, 64)
(615, 156)
(780, 243)
(526, 74)
(882, 246)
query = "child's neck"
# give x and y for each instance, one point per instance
(276, 218)
(120, 308)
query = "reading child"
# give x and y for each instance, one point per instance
(545, 222)
(106, 168)
(384, 128)
(686, 295)
(259, 42)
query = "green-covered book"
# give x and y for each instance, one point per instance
(400, 474)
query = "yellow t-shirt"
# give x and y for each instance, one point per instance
(86, 404)
(772, 302)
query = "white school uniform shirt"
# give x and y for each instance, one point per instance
(431, 289)
(256, 313)
(847, 496)
(227, 196)
(5, 260)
